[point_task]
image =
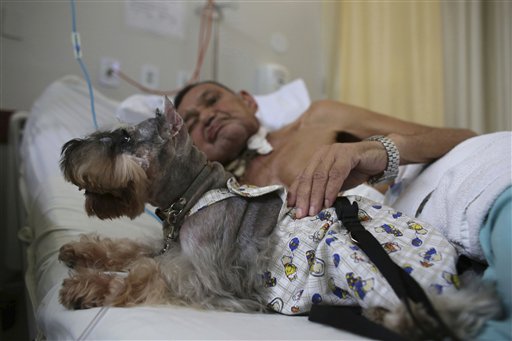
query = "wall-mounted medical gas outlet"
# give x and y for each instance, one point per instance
(150, 76)
(108, 78)
(270, 77)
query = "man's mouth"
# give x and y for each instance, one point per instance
(213, 128)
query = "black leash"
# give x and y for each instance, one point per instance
(349, 318)
(404, 285)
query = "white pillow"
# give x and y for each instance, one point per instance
(283, 106)
(139, 107)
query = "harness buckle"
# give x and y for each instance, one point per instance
(175, 210)
(353, 239)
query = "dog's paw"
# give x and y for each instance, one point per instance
(85, 290)
(67, 255)
(88, 252)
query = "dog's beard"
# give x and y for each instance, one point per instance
(114, 185)
(122, 202)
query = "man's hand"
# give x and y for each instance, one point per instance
(333, 168)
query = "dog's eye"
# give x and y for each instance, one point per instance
(126, 138)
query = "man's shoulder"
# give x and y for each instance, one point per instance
(326, 112)
(334, 118)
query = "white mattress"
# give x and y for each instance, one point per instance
(56, 216)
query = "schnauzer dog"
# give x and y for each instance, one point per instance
(227, 246)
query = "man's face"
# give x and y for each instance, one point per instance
(220, 122)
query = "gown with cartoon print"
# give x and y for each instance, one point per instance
(315, 261)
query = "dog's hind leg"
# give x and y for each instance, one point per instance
(88, 288)
(91, 251)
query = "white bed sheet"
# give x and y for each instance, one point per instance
(56, 216)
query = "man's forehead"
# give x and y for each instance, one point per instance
(197, 93)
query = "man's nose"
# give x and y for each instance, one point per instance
(206, 115)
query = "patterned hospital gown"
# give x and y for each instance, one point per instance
(315, 261)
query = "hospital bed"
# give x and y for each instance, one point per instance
(50, 213)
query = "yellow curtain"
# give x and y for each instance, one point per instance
(387, 56)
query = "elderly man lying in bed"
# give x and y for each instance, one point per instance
(314, 159)
(307, 155)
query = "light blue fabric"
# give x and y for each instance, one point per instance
(496, 241)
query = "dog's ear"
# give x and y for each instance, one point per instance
(173, 117)
(125, 202)
(69, 149)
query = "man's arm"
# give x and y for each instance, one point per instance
(429, 145)
(341, 166)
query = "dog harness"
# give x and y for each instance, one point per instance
(315, 261)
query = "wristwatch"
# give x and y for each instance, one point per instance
(391, 171)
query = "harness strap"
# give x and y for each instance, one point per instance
(173, 216)
(349, 318)
(404, 285)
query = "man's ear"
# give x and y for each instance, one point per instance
(249, 100)
(173, 117)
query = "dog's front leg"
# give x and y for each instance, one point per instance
(88, 288)
(143, 285)
(91, 251)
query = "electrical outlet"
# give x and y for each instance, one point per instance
(150, 76)
(108, 77)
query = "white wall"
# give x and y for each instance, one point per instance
(44, 52)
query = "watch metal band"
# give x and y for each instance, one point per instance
(391, 171)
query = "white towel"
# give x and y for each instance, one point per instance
(464, 185)
(259, 142)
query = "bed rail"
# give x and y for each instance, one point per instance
(15, 209)
(14, 250)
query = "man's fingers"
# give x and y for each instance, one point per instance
(301, 191)
(327, 181)
(309, 189)
(337, 175)
(292, 193)
(302, 194)
(320, 179)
